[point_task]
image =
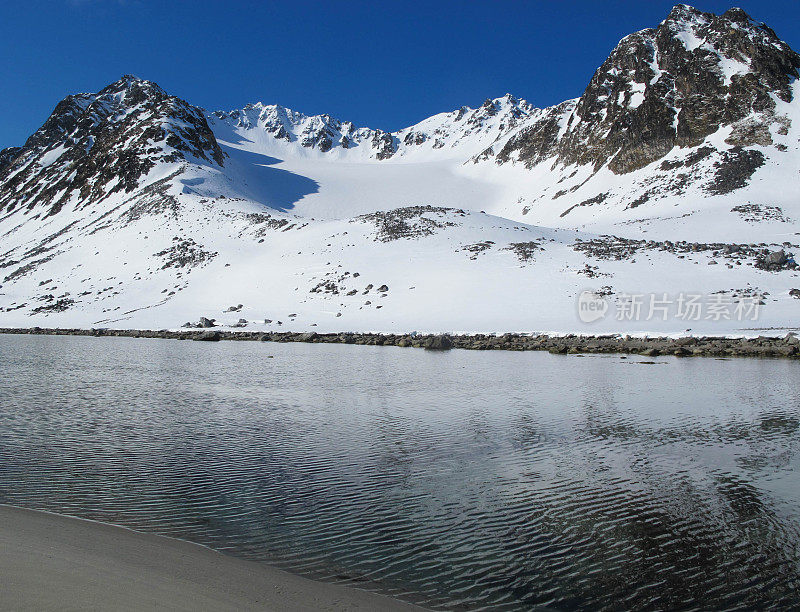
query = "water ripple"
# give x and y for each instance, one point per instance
(496, 481)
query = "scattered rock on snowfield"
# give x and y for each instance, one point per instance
(204, 322)
(409, 222)
(795, 293)
(383, 289)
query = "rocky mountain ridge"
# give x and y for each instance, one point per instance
(95, 145)
(446, 132)
(666, 87)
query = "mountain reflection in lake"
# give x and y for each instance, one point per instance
(487, 480)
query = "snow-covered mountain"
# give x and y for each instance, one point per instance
(683, 112)
(675, 171)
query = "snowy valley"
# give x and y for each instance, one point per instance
(676, 172)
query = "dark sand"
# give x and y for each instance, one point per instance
(53, 562)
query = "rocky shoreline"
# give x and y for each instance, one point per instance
(787, 346)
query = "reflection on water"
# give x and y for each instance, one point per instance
(482, 480)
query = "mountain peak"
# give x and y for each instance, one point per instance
(738, 15)
(133, 90)
(671, 86)
(105, 143)
(684, 13)
(127, 81)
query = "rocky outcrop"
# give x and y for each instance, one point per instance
(411, 221)
(539, 141)
(734, 169)
(7, 156)
(384, 145)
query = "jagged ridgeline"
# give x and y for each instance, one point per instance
(132, 207)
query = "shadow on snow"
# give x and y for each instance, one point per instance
(273, 187)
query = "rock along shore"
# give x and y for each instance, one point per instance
(692, 346)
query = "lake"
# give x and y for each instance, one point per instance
(458, 480)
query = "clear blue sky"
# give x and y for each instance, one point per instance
(378, 63)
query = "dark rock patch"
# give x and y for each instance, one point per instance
(734, 170)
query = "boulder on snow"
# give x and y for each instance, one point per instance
(204, 322)
(774, 260)
(777, 257)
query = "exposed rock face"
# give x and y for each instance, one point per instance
(7, 156)
(384, 145)
(94, 145)
(537, 142)
(670, 86)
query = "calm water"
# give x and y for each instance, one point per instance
(463, 479)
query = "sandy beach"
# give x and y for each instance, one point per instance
(53, 562)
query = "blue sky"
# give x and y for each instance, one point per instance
(378, 63)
